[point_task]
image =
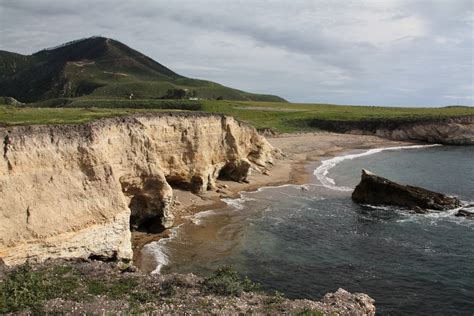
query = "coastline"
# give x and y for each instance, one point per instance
(301, 154)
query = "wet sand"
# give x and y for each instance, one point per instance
(301, 154)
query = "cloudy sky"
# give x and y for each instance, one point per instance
(375, 52)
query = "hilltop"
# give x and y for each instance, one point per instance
(101, 67)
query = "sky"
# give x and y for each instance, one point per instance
(370, 52)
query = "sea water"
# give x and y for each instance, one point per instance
(308, 240)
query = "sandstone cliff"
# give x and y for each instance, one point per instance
(449, 131)
(75, 190)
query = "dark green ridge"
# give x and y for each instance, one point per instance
(104, 68)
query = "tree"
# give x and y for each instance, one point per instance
(175, 94)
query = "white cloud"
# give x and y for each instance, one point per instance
(393, 52)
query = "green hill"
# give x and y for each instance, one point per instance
(101, 67)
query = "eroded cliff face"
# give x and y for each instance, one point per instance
(75, 190)
(449, 131)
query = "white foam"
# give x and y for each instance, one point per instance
(196, 219)
(322, 171)
(434, 217)
(237, 204)
(159, 251)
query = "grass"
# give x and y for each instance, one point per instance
(26, 288)
(281, 117)
(293, 117)
(10, 116)
(103, 68)
(118, 103)
(31, 287)
(226, 281)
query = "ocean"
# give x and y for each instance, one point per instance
(312, 239)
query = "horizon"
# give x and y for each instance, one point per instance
(391, 54)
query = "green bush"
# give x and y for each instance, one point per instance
(122, 287)
(97, 287)
(26, 288)
(227, 281)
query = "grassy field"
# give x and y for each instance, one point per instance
(292, 117)
(119, 103)
(282, 117)
(10, 116)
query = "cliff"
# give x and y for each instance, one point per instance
(75, 190)
(448, 131)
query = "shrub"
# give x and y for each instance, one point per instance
(26, 288)
(122, 287)
(276, 299)
(227, 281)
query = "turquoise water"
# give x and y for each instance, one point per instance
(307, 241)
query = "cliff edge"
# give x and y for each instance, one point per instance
(75, 190)
(448, 131)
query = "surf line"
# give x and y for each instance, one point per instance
(322, 171)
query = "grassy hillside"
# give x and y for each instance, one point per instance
(282, 117)
(293, 117)
(100, 67)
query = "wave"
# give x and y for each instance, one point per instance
(197, 218)
(322, 171)
(439, 217)
(432, 218)
(157, 249)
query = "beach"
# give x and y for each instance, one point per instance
(301, 153)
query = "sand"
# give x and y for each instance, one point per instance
(301, 154)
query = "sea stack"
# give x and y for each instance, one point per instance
(376, 190)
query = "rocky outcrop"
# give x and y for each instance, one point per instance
(376, 190)
(74, 190)
(466, 212)
(449, 131)
(10, 101)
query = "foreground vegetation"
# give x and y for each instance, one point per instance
(278, 116)
(90, 286)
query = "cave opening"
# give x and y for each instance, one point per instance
(145, 217)
(226, 172)
(178, 183)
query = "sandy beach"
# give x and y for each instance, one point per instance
(301, 154)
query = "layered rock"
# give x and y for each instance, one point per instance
(449, 131)
(74, 190)
(376, 190)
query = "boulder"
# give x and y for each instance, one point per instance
(376, 190)
(465, 213)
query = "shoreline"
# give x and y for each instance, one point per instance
(301, 154)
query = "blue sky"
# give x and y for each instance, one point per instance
(390, 52)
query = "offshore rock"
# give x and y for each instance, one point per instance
(75, 190)
(466, 213)
(376, 190)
